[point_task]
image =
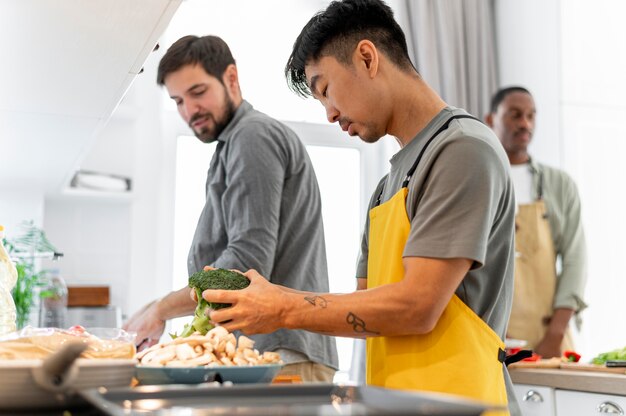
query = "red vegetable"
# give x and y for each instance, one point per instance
(571, 356)
(534, 357)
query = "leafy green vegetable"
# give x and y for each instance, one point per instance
(618, 354)
(211, 279)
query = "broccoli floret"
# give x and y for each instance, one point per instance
(211, 279)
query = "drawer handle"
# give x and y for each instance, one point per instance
(533, 396)
(610, 408)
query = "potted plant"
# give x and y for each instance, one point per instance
(25, 250)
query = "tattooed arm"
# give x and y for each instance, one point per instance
(410, 306)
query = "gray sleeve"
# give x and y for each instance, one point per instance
(255, 167)
(573, 252)
(361, 266)
(459, 202)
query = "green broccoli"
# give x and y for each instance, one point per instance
(211, 279)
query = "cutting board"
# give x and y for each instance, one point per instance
(592, 367)
(557, 363)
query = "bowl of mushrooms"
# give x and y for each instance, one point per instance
(216, 356)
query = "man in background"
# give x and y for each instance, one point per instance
(263, 207)
(548, 227)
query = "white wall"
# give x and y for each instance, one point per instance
(528, 42)
(18, 205)
(569, 54)
(123, 240)
(593, 112)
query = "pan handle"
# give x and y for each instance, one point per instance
(57, 372)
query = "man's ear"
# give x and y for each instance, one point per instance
(230, 78)
(489, 119)
(367, 56)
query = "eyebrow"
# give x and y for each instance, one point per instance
(313, 86)
(521, 110)
(193, 87)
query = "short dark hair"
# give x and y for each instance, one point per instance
(502, 93)
(337, 30)
(210, 51)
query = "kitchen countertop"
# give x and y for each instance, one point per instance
(587, 381)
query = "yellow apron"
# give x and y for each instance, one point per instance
(535, 277)
(461, 355)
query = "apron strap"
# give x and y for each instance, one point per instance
(513, 358)
(409, 174)
(419, 157)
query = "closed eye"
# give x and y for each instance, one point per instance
(197, 92)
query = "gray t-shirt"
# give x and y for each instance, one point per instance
(461, 205)
(263, 211)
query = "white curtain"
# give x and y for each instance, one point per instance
(454, 49)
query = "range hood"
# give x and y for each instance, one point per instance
(66, 64)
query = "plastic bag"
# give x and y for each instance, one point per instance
(38, 343)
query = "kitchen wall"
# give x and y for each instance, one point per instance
(529, 41)
(568, 54)
(123, 240)
(17, 205)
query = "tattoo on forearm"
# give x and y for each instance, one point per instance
(316, 301)
(358, 324)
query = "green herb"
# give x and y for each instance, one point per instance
(23, 250)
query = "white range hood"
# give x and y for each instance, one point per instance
(66, 64)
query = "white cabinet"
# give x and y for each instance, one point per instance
(548, 401)
(535, 400)
(586, 404)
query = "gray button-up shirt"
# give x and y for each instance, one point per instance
(263, 211)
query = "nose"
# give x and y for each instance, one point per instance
(188, 109)
(332, 114)
(526, 122)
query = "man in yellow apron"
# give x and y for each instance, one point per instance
(438, 247)
(548, 225)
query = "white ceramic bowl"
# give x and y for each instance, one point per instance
(20, 390)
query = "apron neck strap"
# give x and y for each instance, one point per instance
(409, 174)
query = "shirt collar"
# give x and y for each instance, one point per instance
(420, 138)
(243, 109)
(533, 165)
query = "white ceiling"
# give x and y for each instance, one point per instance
(65, 65)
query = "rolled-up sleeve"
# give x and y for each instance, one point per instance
(571, 248)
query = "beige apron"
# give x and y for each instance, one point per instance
(535, 276)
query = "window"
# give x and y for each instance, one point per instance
(338, 175)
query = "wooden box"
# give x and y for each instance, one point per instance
(87, 295)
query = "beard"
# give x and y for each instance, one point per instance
(210, 133)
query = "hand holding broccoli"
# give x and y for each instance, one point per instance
(211, 279)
